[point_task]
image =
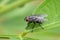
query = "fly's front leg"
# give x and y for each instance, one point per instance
(40, 23)
(33, 26)
(28, 25)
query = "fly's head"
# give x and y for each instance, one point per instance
(27, 19)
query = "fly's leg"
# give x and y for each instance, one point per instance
(33, 26)
(28, 25)
(41, 25)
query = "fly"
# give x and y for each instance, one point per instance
(36, 19)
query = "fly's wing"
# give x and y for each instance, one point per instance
(43, 15)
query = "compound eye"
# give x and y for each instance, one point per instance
(27, 19)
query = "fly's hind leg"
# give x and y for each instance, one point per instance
(40, 23)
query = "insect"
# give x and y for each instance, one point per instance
(36, 19)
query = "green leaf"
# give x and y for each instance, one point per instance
(9, 37)
(52, 26)
(12, 21)
(29, 39)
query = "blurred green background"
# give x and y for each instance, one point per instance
(13, 12)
